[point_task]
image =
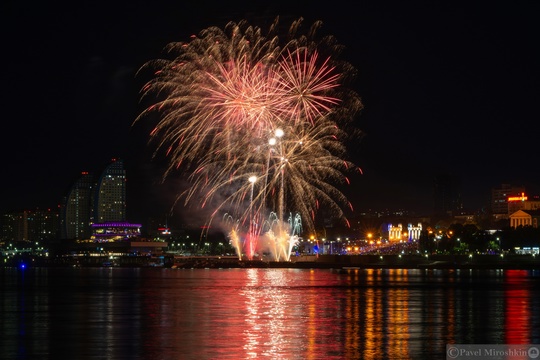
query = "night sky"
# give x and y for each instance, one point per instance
(447, 88)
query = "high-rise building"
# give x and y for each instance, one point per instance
(77, 209)
(447, 195)
(110, 194)
(41, 224)
(30, 225)
(7, 228)
(500, 195)
(94, 200)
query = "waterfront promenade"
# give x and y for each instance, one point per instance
(322, 261)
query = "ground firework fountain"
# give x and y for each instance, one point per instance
(256, 124)
(275, 241)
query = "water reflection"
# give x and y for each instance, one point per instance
(517, 314)
(262, 313)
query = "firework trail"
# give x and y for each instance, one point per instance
(236, 103)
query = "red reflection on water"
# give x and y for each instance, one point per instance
(323, 325)
(517, 315)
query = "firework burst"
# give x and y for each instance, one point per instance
(235, 104)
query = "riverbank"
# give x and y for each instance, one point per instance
(345, 262)
(431, 261)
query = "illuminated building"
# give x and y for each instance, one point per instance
(122, 238)
(522, 202)
(110, 194)
(414, 231)
(30, 225)
(500, 195)
(394, 232)
(43, 224)
(76, 210)
(525, 218)
(115, 231)
(94, 201)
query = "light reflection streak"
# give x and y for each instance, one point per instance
(517, 314)
(311, 325)
(373, 321)
(251, 333)
(353, 327)
(398, 316)
(266, 312)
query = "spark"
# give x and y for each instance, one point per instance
(236, 104)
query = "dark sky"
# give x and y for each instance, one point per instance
(447, 88)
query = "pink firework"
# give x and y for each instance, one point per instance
(305, 86)
(222, 100)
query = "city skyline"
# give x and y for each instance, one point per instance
(446, 89)
(450, 194)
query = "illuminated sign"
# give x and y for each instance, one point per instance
(518, 198)
(164, 231)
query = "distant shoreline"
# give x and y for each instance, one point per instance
(356, 262)
(340, 262)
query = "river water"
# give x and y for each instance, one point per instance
(155, 313)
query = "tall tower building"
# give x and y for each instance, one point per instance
(110, 194)
(447, 195)
(77, 209)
